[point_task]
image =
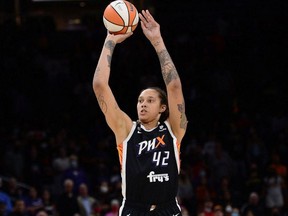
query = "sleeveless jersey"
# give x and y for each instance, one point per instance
(150, 164)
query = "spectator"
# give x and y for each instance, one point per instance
(218, 210)
(207, 209)
(14, 191)
(253, 206)
(19, 209)
(5, 200)
(33, 202)
(67, 204)
(85, 201)
(276, 163)
(114, 208)
(97, 209)
(185, 190)
(273, 186)
(103, 192)
(41, 213)
(228, 210)
(204, 191)
(48, 202)
(224, 192)
(209, 146)
(254, 180)
(75, 173)
(235, 212)
(61, 162)
(220, 165)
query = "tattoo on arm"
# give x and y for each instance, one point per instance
(102, 103)
(110, 45)
(183, 122)
(156, 43)
(109, 58)
(168, 69)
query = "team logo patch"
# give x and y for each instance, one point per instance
(150, 145)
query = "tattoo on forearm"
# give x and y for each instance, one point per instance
(183, 122)
(156, 43)
(109, 58)
(110, 45)
(102, 103)
(169, 71)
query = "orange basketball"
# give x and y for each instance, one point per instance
(120, 17)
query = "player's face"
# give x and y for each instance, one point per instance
(149, 106)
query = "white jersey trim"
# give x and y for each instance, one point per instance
(124, 156)
(176, 151)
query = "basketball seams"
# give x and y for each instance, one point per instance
(116, 21)
(129, 12)
(110, 19)
(132, 15)
(107, 20)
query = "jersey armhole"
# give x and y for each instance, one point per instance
(121, 147)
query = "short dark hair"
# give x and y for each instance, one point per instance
(163, 101)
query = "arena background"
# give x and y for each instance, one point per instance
(231, 56)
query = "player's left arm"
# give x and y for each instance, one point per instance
(177, 116)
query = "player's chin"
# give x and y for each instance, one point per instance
(142, 118)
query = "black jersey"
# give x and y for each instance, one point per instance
(150, 164)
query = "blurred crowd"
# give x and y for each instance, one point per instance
(58, 157)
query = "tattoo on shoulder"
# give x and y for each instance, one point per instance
(169, 71)
(183, 122)
(102, 103)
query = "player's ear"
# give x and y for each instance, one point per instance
(163, 108)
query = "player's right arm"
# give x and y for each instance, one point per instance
(119, 122)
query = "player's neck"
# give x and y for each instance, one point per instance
(149, 125)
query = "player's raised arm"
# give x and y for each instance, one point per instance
(117, 120)
(177, 117)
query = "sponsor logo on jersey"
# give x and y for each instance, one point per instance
(162, 128)
(157, 177)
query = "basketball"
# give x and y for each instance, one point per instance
(120, 17)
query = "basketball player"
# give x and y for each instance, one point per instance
(149, 148)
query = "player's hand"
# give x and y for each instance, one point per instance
(150, 27)
(118, 38)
